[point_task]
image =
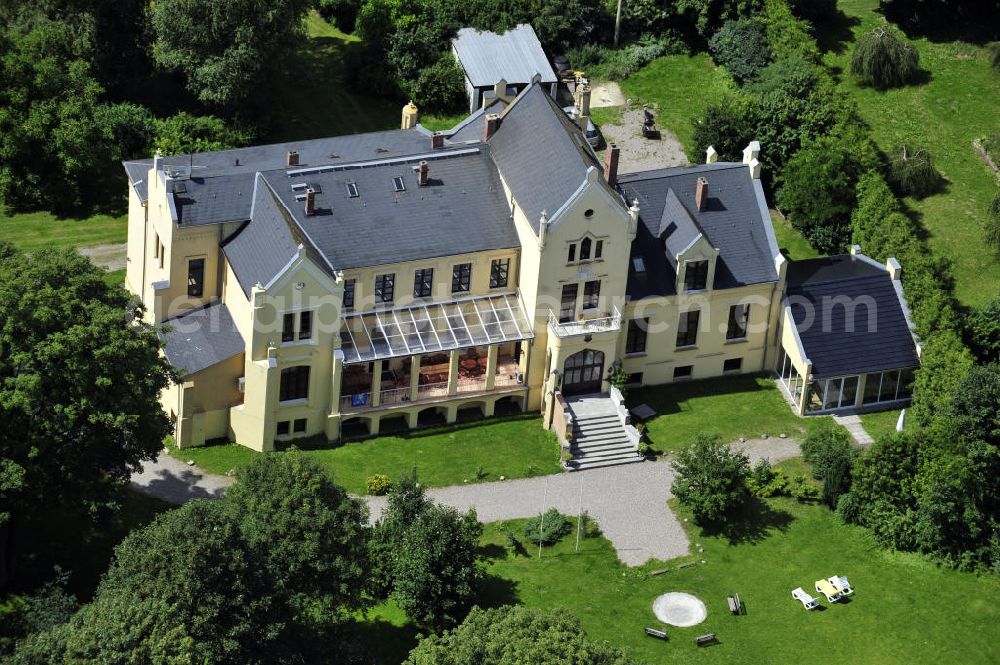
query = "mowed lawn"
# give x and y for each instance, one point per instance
(747, 406)
(33, 231)
(513, 448)
(956, 105)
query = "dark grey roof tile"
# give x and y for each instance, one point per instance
(202, 338)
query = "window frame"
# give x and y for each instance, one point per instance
(423, 282)
(636, 336)
(733, 324)
(350, 288)
(685, 374)
(738, 368)
(296, 429)
(499, 268)
(296, 387)
(461, 278)
(687, 334)
(305, 325)
(591, 295)
(571, 254)
(696, 269)
(282, 425)
(200, 282)
(585, 246)
(385, 288)
(288, 327)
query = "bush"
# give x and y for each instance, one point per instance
(848, 508)
(741, 47)
(378, 484)
(765, 482)
(993, 53)
(711, 478)
(883, 60)
(801, 490)
(603, 62)
(983, 330)
(912, 172)
(824, 447)
(836, 480)
(185, 133)
(992, 231)
(547, 528)
(440, 88)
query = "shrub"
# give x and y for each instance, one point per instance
(801, 490)
(848, 508)
(185, 133)
(440, 87)
(711, 478)
(883, 60)
(765, 482)
(378, 484)
(983, 330)
(912, 172)
(992, 231)
(836, 480)
(741, 47)
(993, 53)
(547, 528)
(824, 447)
(603, 62)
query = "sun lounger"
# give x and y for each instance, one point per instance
(807, 601)
(824, 587)
(842, 585)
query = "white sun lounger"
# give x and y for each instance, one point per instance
(807, 601)
(843, 586)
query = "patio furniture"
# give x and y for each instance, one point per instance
(702, 640)
(643, 412)
(735, 604)
(653, 632)
(842, 585)
(807, 601)
(649, 129)
(824, 587)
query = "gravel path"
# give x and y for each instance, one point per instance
(639, 153)
(110, 257)
(172, 480)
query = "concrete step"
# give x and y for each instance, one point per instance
(580, 465)
(597, 421)
(598, 431)
(600, 444)
(605, 454)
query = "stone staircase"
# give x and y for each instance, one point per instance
(599, 438)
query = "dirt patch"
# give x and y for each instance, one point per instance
(605, 93)
(639, 153)
(109, 257)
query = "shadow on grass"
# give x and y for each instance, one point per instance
(755, 522)
(383, 642)
(495, 591)
(834, 33)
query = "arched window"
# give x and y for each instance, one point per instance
(585, 249)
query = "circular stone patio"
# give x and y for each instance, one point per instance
(679, 609)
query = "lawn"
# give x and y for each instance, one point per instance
(681, 87)
(790, 242)
(513, 448)
(33, 231)
(956, 105)
(881, 423)
(732, 407)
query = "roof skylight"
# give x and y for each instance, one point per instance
(352, 190)
(398, 185)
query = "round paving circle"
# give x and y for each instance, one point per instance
(679, 609)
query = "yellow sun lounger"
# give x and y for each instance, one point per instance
(824, 587)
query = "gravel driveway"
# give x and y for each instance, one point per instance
(639, 153)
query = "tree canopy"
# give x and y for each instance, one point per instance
(711, 478)
(883, 59)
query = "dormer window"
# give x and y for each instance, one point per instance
(695, 275)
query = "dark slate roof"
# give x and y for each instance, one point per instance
(214, 200)
(514, 56)
(462, 209)
(677, 228)
(260, 249)
(471, 129)
(732, 222)
(201, 339)
(878, 339)
(542, 155)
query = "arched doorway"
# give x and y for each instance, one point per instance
(583, 372)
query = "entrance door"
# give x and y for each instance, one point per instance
(583, 372)
(567, 307)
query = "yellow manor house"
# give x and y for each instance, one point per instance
(353, 284)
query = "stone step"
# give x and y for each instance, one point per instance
(598, 431)
(587, 456)
(598, 420)
(598, 444)
(575, 465)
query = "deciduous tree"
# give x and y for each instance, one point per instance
(711, 478)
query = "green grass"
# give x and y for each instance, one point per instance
(881, 423)
(437, 123)
(514, 448)
(63, 537)
(943, 115)
(731, 407)
(33, 231)
(682, 87)
(606, 115)
(790, 241)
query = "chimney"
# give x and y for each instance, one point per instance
(310, 201)
(499, 91)
(422, 171)
(711, 156)
(410, 116)
(492, 123)
(701, 193)
(437, 140)
(611, 164)
(581, 102)
(292, 159)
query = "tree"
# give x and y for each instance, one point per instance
(911, 171)
(825, 446)
(991, 232)
(882, 59)
(711, 478)
(741, 47)
(440, 87)
(983, 330)
(406, 502)
(228, 49)
(836, 481)
(184, 133)
(728, 126)
(80, 380)
(512, 635)
(342, 13)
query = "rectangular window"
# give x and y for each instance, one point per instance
(282, 429)
(461, 277)
(349, 293)
(732, 365)
(397, 184)
(156, 246)
(695, 275)
(299, 426)
(294, 383)
(196, 277)
(567, 304)
(423, 282)
(499, 272)
(592, 294)
(873, 382)
(352, 190)
(598, 249)
(288, 328)
(384, 287)
(305, 324)
(635, 340)
(634, 379)
(738, 317)
(163, 254)
(683, 372)
(572, 253)
(687, 328)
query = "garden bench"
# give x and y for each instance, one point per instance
(653, 632)
(702, 640)
(735, 605)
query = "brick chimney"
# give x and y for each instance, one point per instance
(292, 158)
(422, 171)
(701, 193)
(310, 201)
(492, 123)
(437, 140)
(611, 164)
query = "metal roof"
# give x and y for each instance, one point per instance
(202, 338)
(439, 326)
(514, 56)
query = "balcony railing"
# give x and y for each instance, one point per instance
(610, 323)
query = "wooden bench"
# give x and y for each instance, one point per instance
(702, 640)
(735, 606)
(652, 632)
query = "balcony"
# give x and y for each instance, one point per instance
(611, 322)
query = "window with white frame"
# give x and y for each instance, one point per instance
(738, 317)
